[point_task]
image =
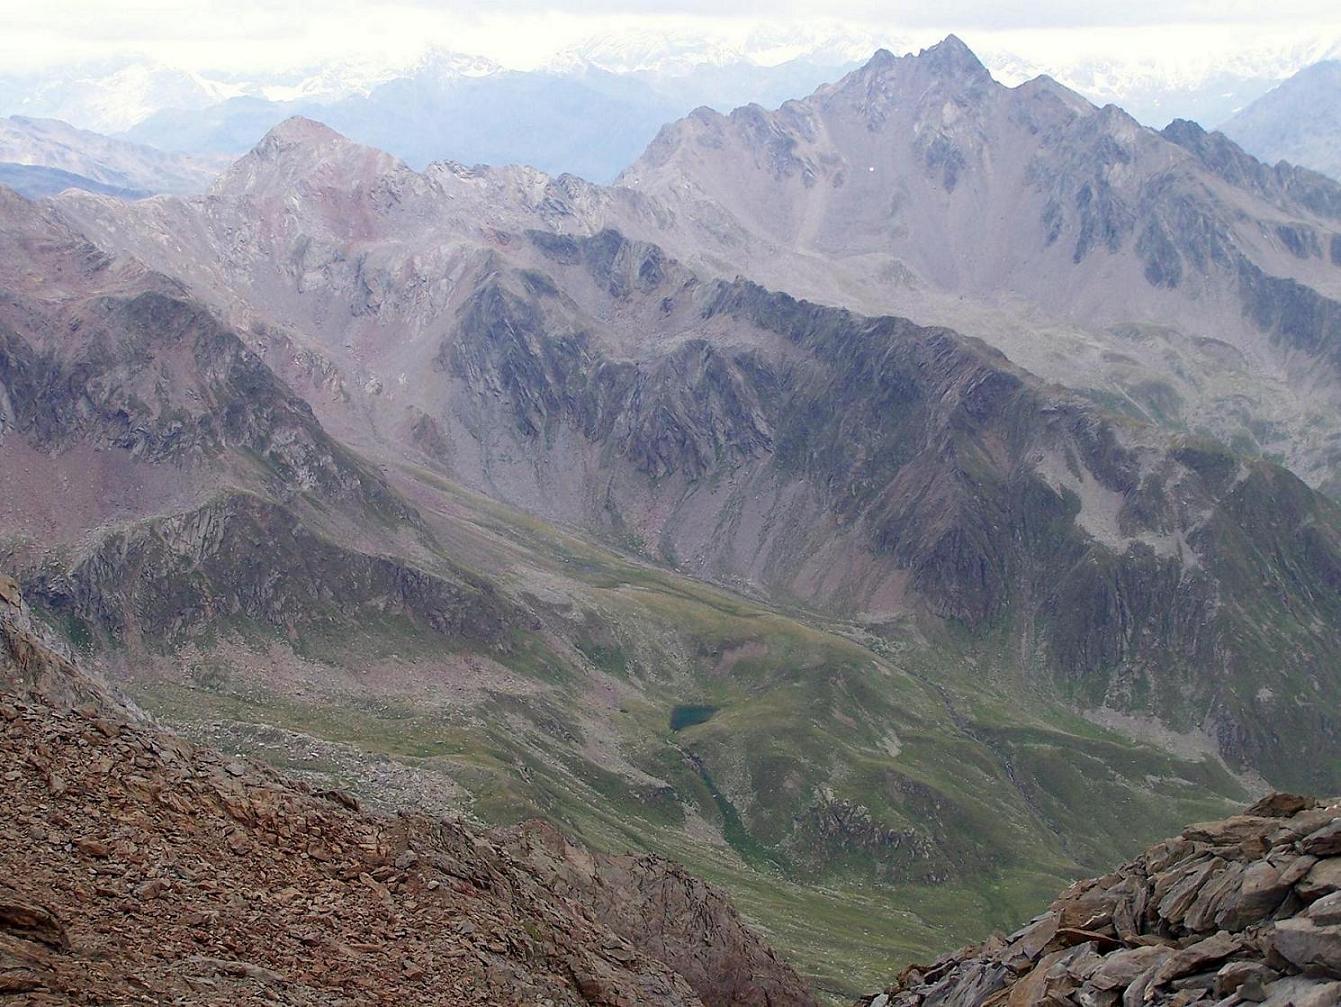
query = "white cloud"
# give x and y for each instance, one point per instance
(253, 36)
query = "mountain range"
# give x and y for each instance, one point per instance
(41, 157)
(917, 494)
(1297, 121)
(443, 105)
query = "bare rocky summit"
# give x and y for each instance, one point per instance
(1241, 911)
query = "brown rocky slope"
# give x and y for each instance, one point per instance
(667, 912)
(141, 868)
(1245, 910)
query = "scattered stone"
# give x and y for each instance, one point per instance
(150, 890)
(92, 847)
(1245, 910)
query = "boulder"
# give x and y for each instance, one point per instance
(1281, 805)
(1325, 842)
(1323, 878)
(1308, 945)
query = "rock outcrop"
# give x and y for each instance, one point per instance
(665, 911)
(1244, 910)
(33, 664)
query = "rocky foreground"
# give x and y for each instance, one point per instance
(138, 868)
(1241, 911)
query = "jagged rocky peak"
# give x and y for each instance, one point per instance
(949, 59)
(1241, 911)
(1040, 91)
(919, 82)
(924, 81)
(952, 57)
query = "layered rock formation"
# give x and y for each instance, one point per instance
(1244, 910)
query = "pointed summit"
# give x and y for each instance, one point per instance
(294, 150)
(951, 56)
(949, 61)
(295, 131)
(881, 59)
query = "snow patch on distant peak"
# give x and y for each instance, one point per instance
(679, 51)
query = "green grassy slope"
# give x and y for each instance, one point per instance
(867, 801)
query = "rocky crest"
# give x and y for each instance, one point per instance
(241, 557)
(1244, 910)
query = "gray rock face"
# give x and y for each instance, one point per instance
(1223, 914)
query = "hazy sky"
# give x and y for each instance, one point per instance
(247, 35)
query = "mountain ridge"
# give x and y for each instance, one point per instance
(529, 366)
(936, 574)
(1017, 186)
(1295, 121)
